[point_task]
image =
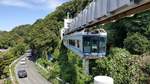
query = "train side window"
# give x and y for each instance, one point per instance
(78, 43)
(72, 42)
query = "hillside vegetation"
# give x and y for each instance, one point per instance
(128, 40)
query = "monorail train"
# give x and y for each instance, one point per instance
(91, 44)
(87, 44)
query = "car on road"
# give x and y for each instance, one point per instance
(22, 73)
(23, 61)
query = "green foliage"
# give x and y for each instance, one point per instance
(18, 35)
(74, 7)
(72, 73)
(136, 43)
(121, 66)
(22, 31)
(8, 57)
(19, 49)
(145, 68)
(116, 33)
(147, 33)
(9, 39)
(123, 28)
(138, 23)
(7, 82)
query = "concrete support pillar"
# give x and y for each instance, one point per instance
(86, 65)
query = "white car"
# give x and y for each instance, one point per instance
(23, 59)
(22, 62)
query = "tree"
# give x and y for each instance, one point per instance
(120, 65)
(136, 43)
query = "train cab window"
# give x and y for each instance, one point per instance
(102, 45)
(94, 44)
(90, 44)
(86, 45)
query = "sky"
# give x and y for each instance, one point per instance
(18, 12)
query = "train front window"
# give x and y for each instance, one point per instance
(94, 44)
(90, 44)
(102, 45)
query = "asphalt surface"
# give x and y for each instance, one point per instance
(33, 77)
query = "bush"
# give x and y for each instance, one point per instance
(73, 73)
(136, 44)
(119, 65)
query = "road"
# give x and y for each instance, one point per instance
(33, 77)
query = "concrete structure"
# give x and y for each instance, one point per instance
(67, 23)
(103, 80)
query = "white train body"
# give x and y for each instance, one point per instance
(87, 44)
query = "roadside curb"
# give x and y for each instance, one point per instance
(41, 67)
(10, 71)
